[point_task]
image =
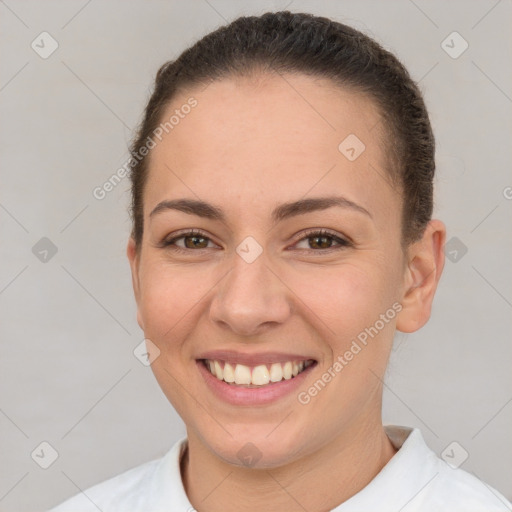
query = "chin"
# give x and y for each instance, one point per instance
(255, 448)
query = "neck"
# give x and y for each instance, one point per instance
(320, 481)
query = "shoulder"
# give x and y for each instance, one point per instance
(437, 485)
(455, 490)
(124, 489)
(137, 489)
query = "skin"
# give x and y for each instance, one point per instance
(250, 145)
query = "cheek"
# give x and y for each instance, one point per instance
(168, 298)
(339, 300)
(347, 298)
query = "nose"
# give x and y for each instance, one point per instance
(251, 299)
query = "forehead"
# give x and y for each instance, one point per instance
(270, 139)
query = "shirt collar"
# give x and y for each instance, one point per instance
(402, 479)
(414, 466)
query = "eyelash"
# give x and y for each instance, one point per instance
(342, 243)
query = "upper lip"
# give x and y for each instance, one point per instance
(248, 359)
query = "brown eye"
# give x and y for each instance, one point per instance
(322, 240)
(187, 241)
(195, 242)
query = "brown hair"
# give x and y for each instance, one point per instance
(316, 46)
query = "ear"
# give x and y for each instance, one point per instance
(134, 259)
(424, 266)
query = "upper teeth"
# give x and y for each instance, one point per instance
(257, 375)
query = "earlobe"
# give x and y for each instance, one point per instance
(424, 268)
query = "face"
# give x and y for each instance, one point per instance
(274, 278)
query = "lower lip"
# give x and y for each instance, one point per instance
(238, 395)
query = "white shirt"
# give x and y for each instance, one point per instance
(414, 480)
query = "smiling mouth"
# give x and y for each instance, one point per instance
(255, 376)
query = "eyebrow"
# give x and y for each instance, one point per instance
(281, 212)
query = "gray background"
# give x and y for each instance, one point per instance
(68, 328)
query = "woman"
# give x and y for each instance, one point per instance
(282, 191)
